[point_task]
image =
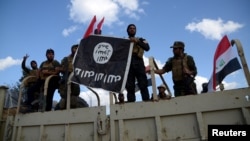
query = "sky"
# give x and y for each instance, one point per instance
(31, 27)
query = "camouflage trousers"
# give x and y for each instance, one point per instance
(63, 102)
(182, 89)
(75, 92)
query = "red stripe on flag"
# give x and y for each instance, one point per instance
(225, 62)
(90, 28)
(99, 26)
(221, 48)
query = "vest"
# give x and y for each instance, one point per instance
(33, 72)
(47, 66)
(70, 65)
(67, 63)
(177, 68)
(32, 80)
(138, 50)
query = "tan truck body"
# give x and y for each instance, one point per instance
(181, 118)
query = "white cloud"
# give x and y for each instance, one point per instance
(199, 80)
(131, 5)
(131, 8)
(230, 85)
(227, 85)
(92, 99)
(69, 30)
(82, 11)
(213, 29)
(145, 3)
(8, 62)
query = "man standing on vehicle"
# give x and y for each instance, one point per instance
(183, 70)
(137, 67)
(67, 69)
(47, 68)
(30, 72)
(34, 71)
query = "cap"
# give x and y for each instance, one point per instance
(178, 44)
(162, 86)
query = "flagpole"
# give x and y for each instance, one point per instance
(151, 64)
(163, 80)
(242, 59)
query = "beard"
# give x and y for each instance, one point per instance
(131, 34)
(34, 67)
(176, 55)
(49, 59)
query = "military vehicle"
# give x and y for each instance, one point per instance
(180, 118)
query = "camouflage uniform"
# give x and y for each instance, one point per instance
(29, 72)
(49, 66)
(67, 64)
(53, 83)
(137, 67)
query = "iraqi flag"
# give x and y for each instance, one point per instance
(103, 62)
(225, 62)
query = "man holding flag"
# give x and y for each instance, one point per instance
(137, 67)
(225, 62)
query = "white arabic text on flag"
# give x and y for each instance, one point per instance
(103, 62)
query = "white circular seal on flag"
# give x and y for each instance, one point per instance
(102, 52)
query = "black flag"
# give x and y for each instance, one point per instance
(103, 62)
